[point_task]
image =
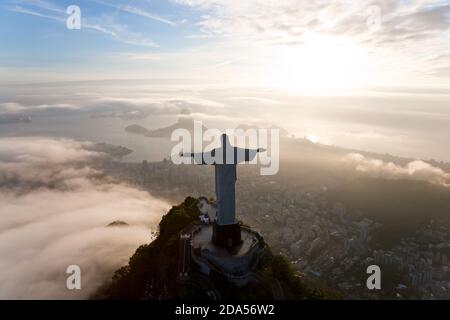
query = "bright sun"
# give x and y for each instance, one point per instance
(313, 138)
(322, 65)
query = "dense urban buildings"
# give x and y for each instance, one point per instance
(326, 242)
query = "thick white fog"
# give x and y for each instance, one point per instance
(54, 212)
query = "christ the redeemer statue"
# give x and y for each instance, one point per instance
(226, 230)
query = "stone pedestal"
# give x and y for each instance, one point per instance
(237, 263)
(227, 236)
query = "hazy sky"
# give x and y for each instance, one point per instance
(310, 47)
(361, 74)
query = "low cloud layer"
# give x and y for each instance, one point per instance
(54, 210)
(127, 103)
(405, 121)
(416, 170)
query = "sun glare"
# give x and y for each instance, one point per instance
(322, 65)
(313, 138)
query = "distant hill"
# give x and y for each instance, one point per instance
(118, 223)
(165, 132)
(137, 129)
(110, 149)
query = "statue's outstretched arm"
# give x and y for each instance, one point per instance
(199, 157)
(246, 154)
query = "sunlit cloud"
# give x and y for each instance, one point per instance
(321, 47)
(416, 170)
